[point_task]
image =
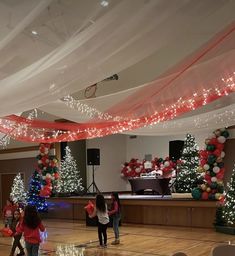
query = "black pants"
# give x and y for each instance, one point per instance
(17, 243)
(102, 230)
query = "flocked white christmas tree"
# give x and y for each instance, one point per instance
(187, 169)
(229, 205)
(70, 180)
(18, 194)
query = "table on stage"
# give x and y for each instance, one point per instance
(157, 185)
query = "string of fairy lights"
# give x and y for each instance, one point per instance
(6, 139)
(91, 112)
(24, 131)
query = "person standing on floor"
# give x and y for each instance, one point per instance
(16, 242)
(101, 211)
(115, 212)
(8, 213)
(31, 227)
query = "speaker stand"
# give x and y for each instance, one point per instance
(93, 184)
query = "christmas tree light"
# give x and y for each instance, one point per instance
(70, 180)
(189, 161)
(229, 206)
(34, 197)
(18, 194)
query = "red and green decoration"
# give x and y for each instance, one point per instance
(134, 168)
(48, 168)
(211, 163)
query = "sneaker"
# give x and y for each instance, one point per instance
(20, 254)
(115, 242)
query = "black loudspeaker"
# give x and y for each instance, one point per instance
(63, 145)
(175, 149)
(93, 156)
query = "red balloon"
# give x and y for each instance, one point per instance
(6, 232)
(217, 152)
(89, 208)
(56, 175)
(220, 146)
(205, 195)
(220, 175)
(213, 141)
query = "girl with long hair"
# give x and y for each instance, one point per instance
(101, 211)
(31, 227)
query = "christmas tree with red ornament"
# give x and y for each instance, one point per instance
(211, 163)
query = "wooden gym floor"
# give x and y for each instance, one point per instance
(75, 239)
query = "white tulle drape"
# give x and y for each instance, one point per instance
(121, 37)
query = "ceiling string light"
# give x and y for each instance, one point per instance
(87, 110)
(25, 129)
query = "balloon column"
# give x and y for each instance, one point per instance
(211, 163)
(48, 168)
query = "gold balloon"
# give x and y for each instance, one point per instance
(203, 187)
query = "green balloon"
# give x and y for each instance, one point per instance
(225, 134)
(213, 185)
(196, 193)
(212, 174)
(210, 147)
(220, 189)
(211, 159)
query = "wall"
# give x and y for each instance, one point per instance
(112, 155)
(23, 165)
(156, 145)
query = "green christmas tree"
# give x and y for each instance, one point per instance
(187, 168)
(229, 206)
(18, 194)
(34, 197)
(70, 180)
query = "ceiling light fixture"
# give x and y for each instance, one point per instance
(34, 32)
(104, 3)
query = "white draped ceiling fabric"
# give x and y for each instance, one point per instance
(52, 63)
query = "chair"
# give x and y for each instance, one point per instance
(224, 250)
(179, 254)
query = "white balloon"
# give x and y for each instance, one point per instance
(206, 167)
(216, 169)
(213, 179)
(122, 175)
(222, 154)
(137, 170)
(221, 139)
(48, 175)
(166, 164)
(39, 161)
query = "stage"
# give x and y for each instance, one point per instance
(170, 210)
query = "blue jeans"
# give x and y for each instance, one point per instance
(32, 249)
(116, 219)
